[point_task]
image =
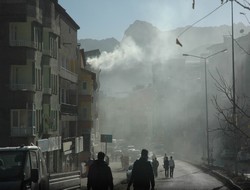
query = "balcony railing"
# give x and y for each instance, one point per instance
(68, 109)
(24, 43)
(64, 73)
(47, 52)
(23, 87)
(23, 131)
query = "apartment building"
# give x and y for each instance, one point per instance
(39, 80)
(88, 125)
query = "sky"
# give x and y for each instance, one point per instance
(101, 19)
(131, 64)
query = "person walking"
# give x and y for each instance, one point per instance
(107, 159)
(100, 175)
(166, 165)
(142, 173)
(171, 166)
(155, 165)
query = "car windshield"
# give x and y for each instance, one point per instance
(11, 165)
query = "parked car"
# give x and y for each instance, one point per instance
(23, 168)
(243, 156)
(129, 172)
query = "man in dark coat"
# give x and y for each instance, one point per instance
(155, 164)
(100, 175)
(166, 165)
(142, 174)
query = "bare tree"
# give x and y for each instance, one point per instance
(236, 131)
(224, 111)
(234, 128)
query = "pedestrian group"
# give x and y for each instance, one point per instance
(169, 166)
(143, 172)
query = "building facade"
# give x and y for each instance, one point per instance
(39, 81)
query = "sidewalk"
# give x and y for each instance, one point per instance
(119, 175)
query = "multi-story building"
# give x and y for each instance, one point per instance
(88, 105)
(39, 81)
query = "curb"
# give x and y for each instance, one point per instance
(227, 181)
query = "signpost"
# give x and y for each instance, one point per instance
(106, 139)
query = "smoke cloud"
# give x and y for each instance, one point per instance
(152, 96)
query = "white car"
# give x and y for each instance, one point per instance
(129, 172)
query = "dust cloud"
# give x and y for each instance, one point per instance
(152, 97)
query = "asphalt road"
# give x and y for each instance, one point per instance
(186, 177)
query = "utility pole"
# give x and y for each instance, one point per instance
(205, 67)
(233, 75)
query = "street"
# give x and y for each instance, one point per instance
(186, 177)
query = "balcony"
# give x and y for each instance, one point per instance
(24, 43)
(47, 91)
(64, 73)
(23, 131)
(23, 87)
(47, 52)
(69, 109)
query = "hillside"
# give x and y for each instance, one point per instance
(143, 33)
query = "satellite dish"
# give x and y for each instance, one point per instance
(242, 31)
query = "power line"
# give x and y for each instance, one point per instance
(241, 47)
(201, 19)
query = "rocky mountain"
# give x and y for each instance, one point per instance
(144, 33)
(130, 65)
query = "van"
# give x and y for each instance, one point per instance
(23, 168)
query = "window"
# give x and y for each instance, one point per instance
(15, 118)
(13, 32)
(38, 79)
(27, 168)
(31, 121)
(37, 37)
(22, 118)
(33, 159)
(38, 120)
(84, 113)
(84, 85)
(54, 83)
(53, 45)
(53, 120)
(62, 95)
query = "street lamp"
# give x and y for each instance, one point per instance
(245, 17)
(205, 63)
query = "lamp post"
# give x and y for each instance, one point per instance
(205, 64)
(245, 17)
(233, 86)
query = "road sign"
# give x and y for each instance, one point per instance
(106, 138)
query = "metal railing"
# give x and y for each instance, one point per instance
(68, 180)
(24, 87)
(24, 43)
(23, 131)
(65, 73)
